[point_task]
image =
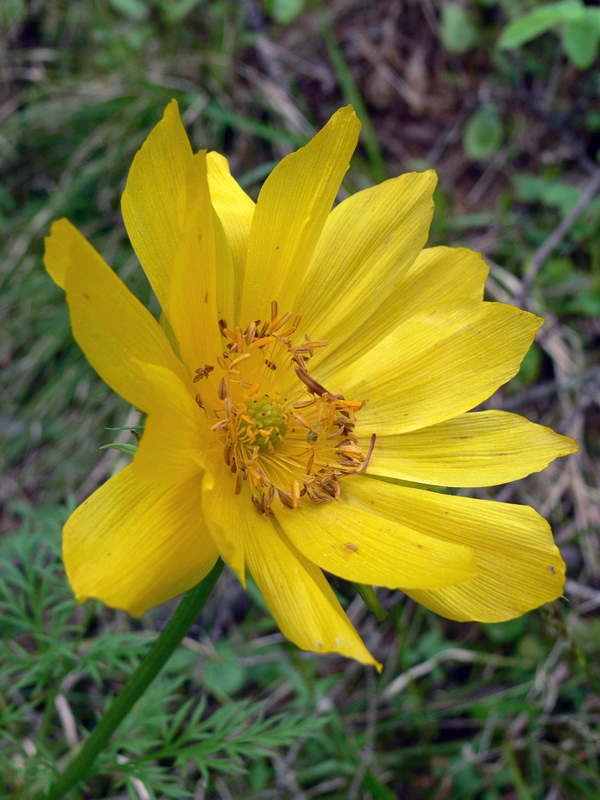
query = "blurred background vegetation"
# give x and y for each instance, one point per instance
(501, 98)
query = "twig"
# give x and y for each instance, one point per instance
(550, 388)
(67, 720)
(580, 590)
(558, 234)
(138, 786)
(451, 654)
(284, 774)
(368, 752)
(327, 787)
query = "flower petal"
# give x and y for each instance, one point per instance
(149, 203)
(134, 544)
(57, 250)
(170, 450)
(290, 213)
(362, 545)
(231, 518)
(481, 448)
(436, 365)
(439, 275)
(235, 210)
(367, 246)
(198, 270)
(110, 325)
(518, 565)
(300, 599)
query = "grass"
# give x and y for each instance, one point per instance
(506, 712)
(477, 710)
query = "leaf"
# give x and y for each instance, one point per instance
(131, 449)
(223, 674)
(175, 10)
(136, 10)
(592, 15)
(12, 12)
(224, 679)
(550, 192)
(285, 11)
(483, 134)
(580, 41)
(531, 366)
(457, 29)
(542, 19)
(586, 303)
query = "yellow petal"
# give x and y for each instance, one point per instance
(57, 250)
(169, 333)
(196, 271)
(290, 213)
(362, 545)
(134, 544)
(478, 449)
(299, 597)
(518, 565)
(439, 275)
(232, 519)
(235, 210)
(436, 365)
(110, 325)
(149, 203)
(367, 246)
(174, 432)
(229, 284)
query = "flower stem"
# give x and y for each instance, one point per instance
(370, 600)
(158, 655)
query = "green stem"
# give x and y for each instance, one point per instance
(370, 600)
(179, 624)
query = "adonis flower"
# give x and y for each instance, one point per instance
(310, 367)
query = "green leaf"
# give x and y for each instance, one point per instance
(457, 29)
(136, 10)
(592, 120)
(223, 675)
(549, 192)
(580, 41)
(12, 12)
(483, 134)
(542, 19)
(531, 366)
(285, 11)
(592, 15)
(131, 449)
(175, 10)
(586, 303)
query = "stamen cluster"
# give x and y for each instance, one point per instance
(281, 430)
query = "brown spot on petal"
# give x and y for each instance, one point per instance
(350, 547)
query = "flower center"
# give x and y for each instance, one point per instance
(282, 432)
(268, 423)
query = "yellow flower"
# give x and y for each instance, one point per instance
(309, 365)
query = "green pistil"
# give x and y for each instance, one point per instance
(269, 423)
